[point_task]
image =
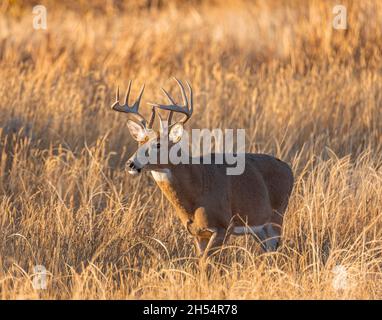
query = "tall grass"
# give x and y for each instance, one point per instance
(304, 92)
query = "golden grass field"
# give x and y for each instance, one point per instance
(305, 92)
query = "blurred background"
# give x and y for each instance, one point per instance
(304, 91)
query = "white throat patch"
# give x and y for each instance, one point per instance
(161, 175)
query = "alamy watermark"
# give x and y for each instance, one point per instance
(199, 146)
(340, 278)
(40, 17)
(39, 277)
(340, 17)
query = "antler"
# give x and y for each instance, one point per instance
(185, 109)
(133, 109)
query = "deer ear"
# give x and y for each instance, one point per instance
(137, 130)
(176, 132)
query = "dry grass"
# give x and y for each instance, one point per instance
(304, 92)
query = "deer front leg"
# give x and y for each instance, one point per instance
(208, 245)
(200, 245)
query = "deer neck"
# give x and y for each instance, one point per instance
(175, 183)
(162, 175)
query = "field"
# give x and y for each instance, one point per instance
(304, 91)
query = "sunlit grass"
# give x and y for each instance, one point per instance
(304, 92)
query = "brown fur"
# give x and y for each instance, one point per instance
(207, 199)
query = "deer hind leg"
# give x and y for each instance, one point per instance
(274, 228)
(272, 237)
(265, 234)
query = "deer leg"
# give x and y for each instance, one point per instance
(200, 245)
(268, 237)
(215, 241)
(273, 237)
(260, 236)
(275, 228)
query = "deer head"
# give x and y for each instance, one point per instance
(152, 142)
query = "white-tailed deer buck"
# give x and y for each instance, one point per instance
(211, 204)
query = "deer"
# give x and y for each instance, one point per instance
(210, 204)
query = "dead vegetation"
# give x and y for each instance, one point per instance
(304, 92)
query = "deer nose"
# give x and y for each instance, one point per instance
(130, 164)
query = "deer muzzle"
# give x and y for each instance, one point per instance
(133, 168)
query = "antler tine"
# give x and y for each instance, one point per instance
(151, 122)
(169, 117)
(182, 91)
(130, 109)
(168, 96)
(186, 109)
(191, 98)
(128, 94)
(117, 94)
(136, 103)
